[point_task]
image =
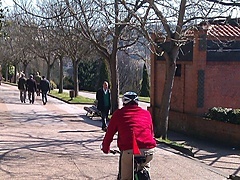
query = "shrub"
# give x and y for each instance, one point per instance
(235, 119)
(53, 85)
(224, 114)
(68, 83)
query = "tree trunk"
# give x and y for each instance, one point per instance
(161, 125)
(48, 71)
(114, 84)
(25, 68)
(60, 90)
(75, 77)
(6, 72)
(15, 74)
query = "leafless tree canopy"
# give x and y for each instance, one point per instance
(119, 30)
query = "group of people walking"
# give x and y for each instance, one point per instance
(32, 85)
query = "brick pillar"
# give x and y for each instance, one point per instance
(199, 66)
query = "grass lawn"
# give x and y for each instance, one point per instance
(144, 99)
(169, 142)
(83, 100)
(65, 96)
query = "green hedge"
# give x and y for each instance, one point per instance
(224, 114)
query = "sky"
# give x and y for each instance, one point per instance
(10, 3)
(7, 3)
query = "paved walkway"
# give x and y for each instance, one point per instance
(57, 141)
(224, 159)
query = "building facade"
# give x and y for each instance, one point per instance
(208, 70)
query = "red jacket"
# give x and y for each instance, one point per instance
(125, 121)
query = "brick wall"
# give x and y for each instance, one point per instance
(216, 131)
(222, 85)
(201, 86)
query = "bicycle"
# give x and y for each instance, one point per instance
(139, 170)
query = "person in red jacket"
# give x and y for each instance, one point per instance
(130, 121)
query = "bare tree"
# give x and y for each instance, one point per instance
(107, 26)
(169, 21)
(130, 71)
(57, 34)
(72, 44)
(226, 3)
(10, 44)
(103, 23)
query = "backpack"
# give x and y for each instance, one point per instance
(142, 175)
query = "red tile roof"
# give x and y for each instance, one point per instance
(219, 30)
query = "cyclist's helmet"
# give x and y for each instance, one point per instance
(130, 97)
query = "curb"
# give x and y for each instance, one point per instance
(234, 177)
(184, 150)
(68, 101)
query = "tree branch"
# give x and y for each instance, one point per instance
(225, 3)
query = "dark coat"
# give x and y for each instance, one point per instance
(22, 83)
(99, 97)
(44, 85)
(31, 85)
